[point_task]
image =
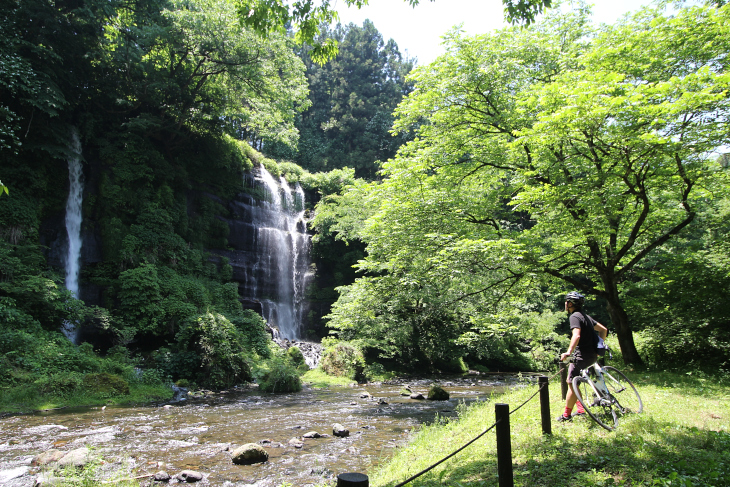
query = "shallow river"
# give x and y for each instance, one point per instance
(198, 434)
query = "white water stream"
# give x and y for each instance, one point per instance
(283, 245)
(73, 224)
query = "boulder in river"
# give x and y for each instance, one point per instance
(437, 393)
(249, 454)
(296, 443)
(47, 457)
(76, 458)
(189, 476)
(161, 476)
(418, 396)
(311, 434)
(339, 430)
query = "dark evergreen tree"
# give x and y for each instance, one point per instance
(353, 97)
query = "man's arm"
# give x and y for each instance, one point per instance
(573, 343)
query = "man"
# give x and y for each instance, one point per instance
(583, 343)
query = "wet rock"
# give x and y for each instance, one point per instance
(48, 480)
(382, 401)
(322, 472)
(366, 395)
(437, 393)
(353, 403)
(339, 430)
(189, 476)
(249, 454)
(405, 392)
(296, 443)
(265, 442)
(76, 458)
(311, 434)
(161, 476)
(47, 457)
(418, 396)
(13, 473)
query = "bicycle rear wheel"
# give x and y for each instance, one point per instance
(600, 409)
(621, 388)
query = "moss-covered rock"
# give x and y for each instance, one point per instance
(437, 393)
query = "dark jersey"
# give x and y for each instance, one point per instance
(586, 349)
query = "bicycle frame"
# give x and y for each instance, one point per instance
(599, 385)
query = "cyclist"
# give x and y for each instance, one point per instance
(583, 343)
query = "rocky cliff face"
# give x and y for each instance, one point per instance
(268, 248)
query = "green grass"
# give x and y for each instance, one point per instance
(681, 439)
(318, 379)
(97, 472)
(26, 398)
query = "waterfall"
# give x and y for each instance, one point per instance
(73, 223)
(279, 276)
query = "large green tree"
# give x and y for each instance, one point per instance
(553, 154)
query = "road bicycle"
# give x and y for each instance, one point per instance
(606, 394)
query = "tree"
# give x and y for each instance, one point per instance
(553, 155)
(190, 64)
(353, 97)
(266, 16)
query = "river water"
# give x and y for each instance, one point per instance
(199, 434)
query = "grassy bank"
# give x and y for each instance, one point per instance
(27, 398)
(318, 379)
(681, 439)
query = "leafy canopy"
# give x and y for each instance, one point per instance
(554, 155)
(306, 16)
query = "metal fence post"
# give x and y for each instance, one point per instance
(564, 379)
(545, 405)
(504, 446)
(352, 480)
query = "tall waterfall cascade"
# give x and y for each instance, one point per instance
(279, 276)
(73, 223)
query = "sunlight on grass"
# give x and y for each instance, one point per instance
(682, 438)
(318, 379)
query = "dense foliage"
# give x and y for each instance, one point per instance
(163, 96)
(353, 97)
(549, 158)
(521, 164)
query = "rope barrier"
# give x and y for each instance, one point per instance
(422, 472)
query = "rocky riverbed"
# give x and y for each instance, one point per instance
(298, 432)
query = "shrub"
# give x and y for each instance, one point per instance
(279, 375)
(178, 364)
(344, 360)
(221, 348)
(106, 385)
(297, 357)
(253, 328)
(62, 384)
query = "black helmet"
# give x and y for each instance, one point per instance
(576, 298)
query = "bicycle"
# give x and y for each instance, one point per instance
(607, 397)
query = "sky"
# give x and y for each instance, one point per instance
(418, 30)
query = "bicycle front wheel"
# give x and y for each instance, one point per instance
(598, 407)
(621, 388)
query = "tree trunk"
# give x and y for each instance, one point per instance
(620, 321)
